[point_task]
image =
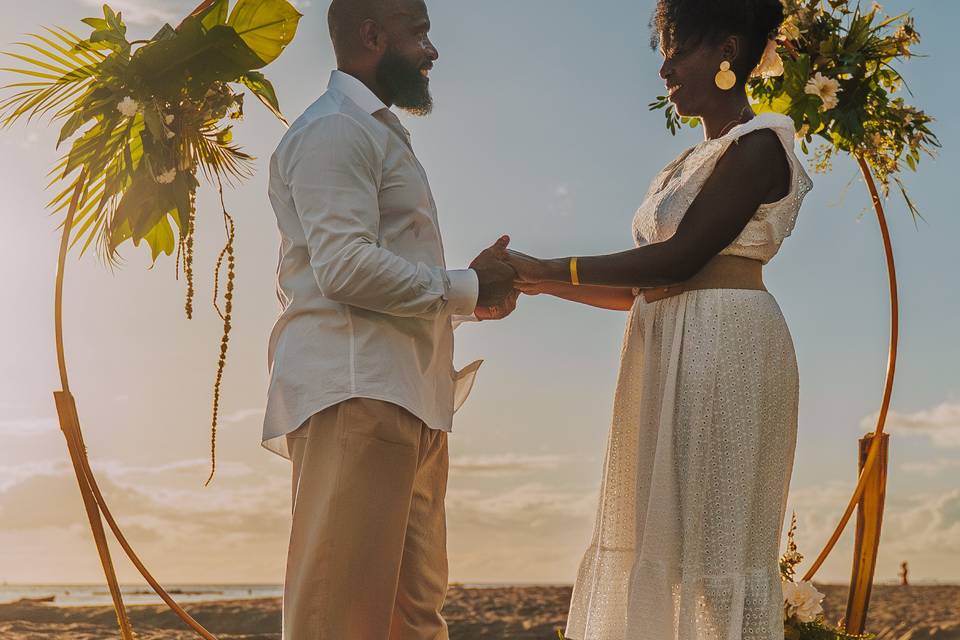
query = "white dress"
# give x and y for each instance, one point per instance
(701, 447)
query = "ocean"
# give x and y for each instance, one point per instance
(97, 594)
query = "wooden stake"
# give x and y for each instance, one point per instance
(867, 542)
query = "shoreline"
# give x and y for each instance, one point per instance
(473, 613)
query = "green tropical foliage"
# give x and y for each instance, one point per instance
(840, 86)
(150, 116)
(145, 118)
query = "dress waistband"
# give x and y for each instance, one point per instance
(721, 272)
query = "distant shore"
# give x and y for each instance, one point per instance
(514, 613)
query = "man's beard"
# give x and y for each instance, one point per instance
(410, 90)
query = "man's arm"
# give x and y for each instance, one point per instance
(334, 174)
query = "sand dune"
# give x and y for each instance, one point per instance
(520, 613)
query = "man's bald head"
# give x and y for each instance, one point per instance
(386, 44)
(345, 18)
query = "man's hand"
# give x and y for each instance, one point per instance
(495, 275)
(500, 311)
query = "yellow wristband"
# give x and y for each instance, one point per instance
(574, 278)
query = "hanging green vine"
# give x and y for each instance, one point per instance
(144, 117)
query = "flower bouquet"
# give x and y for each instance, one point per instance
(145, 117)
(831, 70)
(803, 617)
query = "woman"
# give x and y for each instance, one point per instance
(704, 428)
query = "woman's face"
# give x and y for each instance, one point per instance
(689, 72)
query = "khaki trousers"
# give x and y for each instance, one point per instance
(368, 548)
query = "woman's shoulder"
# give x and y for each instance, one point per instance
(766, 120)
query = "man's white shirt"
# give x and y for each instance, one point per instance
(368, 303)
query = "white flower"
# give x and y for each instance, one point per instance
(169, 119)
(167, 176)
(809, 613)
(824, 88)
(790, 29)
(128, 107)
(170, 134)
(771, 64)
(802, 600)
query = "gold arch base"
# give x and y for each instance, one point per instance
(868, 495)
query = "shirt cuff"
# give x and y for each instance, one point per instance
(463, 292)
(457, 320)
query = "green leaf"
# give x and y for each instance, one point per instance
(154, 121)
(76, 121)
(193, 59)
(160, 238)
(267, 26)
(263, 89)
(215, 14)
(98, 24)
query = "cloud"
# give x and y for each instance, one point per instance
(923, 528)
(243, 415)
(941, 424)
(528, 506)
(532, 532)
(561, 203)
(930, 468)
(144, 12)
(26, 427)
(922, 523)
(235, 531)
(504, 464)
(13, 474)
(163, 497)
(182, 468)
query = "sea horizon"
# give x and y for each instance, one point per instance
(96, 594)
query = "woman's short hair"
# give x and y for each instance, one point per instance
(692, 22)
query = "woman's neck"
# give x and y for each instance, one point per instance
(729, 114)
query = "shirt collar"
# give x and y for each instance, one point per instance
(356, 91)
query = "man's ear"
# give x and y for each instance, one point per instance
(372, 36)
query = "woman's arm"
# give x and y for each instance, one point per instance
(613, 298)
(749, 173)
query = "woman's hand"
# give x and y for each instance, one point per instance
(533, 288)
(529, 269)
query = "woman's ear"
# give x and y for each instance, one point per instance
(730, 49)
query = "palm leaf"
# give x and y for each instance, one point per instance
(72, 71)
(218, 158)
(82, 47)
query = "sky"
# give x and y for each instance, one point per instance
(541, 130)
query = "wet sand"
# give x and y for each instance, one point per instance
(515, 613)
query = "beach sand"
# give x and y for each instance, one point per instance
(520, 613)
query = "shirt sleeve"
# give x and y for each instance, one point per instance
(333, 173)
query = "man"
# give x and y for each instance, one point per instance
(363, 389)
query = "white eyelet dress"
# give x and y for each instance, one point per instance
(701, 448)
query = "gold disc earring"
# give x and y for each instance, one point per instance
(725, 78)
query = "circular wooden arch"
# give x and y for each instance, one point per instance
(96, 506)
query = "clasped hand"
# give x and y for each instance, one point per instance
(503, 274)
